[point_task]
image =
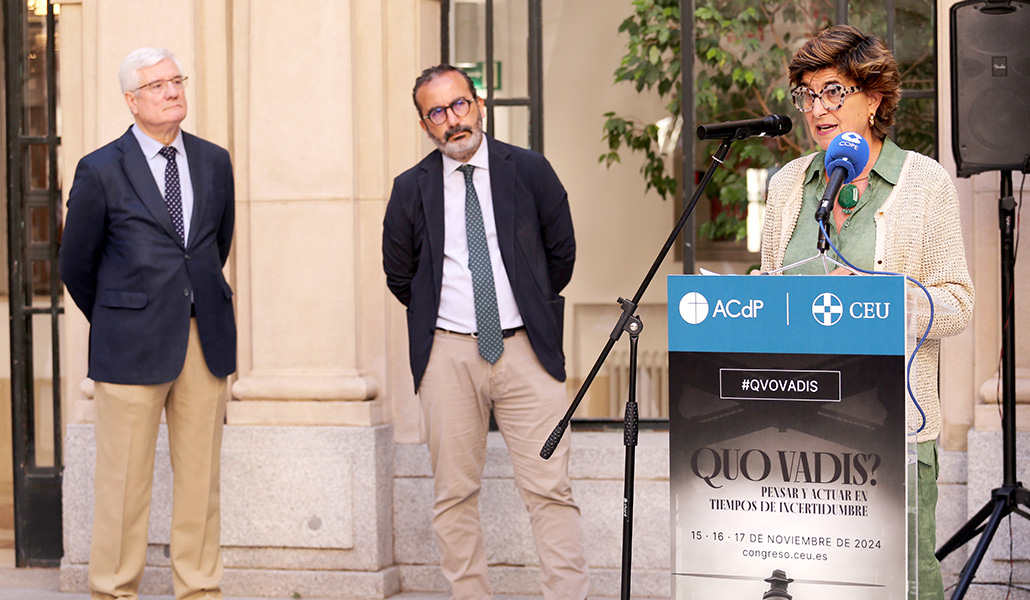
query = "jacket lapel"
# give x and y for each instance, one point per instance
(430, 184)
(200, 174)
(503, 188)
(142, 180)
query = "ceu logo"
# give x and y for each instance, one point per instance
(694, 308)
(852, 137)
(827, 309)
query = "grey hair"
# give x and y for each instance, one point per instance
(128, 74)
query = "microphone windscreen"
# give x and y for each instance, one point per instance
(850, 151)
(783, 124)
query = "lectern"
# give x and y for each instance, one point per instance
(791, 470)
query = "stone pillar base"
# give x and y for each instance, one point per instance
(597, 467)
(353, 387)
(523, 581)
(336, 401)
(269, 583)
(305, 510)
(985, 473)
(306, 412)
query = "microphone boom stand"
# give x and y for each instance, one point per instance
(1007, 498)
(629, 322)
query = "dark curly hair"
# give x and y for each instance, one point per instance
(432, 73)
(864, 58)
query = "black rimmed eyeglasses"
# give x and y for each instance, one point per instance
(438, 115)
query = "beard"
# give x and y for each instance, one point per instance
(460, 150)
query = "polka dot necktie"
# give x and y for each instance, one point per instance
(488, 320)
(173, 192)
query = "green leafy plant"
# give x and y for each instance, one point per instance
(742, 49)
(652, 63)
(740, 68)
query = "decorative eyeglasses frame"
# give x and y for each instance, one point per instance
(797, 93)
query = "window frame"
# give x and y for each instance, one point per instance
(534, 100)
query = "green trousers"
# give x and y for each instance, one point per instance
(930, 585)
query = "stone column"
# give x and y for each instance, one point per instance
(299, 230)
(302, 95)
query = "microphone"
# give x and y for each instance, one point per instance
(846, 157)
(768, 126)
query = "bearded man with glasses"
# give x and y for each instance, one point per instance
(148, 230)
(478, 244)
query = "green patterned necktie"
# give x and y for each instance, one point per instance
(488, 320)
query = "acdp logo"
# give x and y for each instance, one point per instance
(694, 308)
(827, 309)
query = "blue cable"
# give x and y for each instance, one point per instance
(908, 370)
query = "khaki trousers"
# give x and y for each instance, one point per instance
(127, 421)
(458, 391)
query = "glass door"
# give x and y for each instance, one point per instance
(34, 288)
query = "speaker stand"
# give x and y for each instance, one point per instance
(1011, 497)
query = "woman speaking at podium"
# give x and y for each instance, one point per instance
(900, 214)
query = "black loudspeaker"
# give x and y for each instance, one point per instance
(990, 85)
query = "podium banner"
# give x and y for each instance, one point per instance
(787, 437)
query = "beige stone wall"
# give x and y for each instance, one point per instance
(620, 228)
(958, 374)
(304, 97)
(308, 102)
(299, 223)
(970, 361)
(406, 59)
(95, 38)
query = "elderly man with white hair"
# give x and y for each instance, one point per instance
(148, 230)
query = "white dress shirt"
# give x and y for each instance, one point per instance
(457, 307)
(157, 164)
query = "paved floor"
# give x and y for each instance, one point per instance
(37, 594)
(44, 584)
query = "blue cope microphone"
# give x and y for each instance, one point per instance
(845, 159)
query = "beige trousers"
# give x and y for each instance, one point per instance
(458, 392)
(127, 421)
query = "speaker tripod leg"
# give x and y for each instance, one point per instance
(968, 532)
(1000, 509)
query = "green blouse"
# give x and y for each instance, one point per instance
(856, 241)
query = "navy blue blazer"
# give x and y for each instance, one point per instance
(534, 231)
(127, 270)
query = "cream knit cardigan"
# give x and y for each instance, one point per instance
(917, 234)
